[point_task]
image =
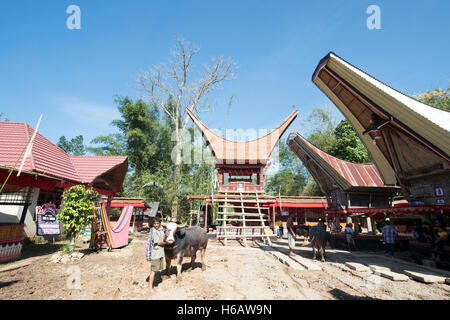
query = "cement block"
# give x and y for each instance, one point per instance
(357, 266)
(426, 278)
(390, 275)
(374, 267)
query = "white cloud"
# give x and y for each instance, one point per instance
(86, 112)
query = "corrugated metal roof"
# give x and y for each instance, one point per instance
(354, 174)
(47, 158)
(253, 152)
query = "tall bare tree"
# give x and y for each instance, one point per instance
(171, 87)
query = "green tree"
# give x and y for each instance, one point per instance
(437, 98)
(77, 211)
(347, 145)
(74, 146)
(141, 129)
(322, 125)
(291, 176)
(111, 145)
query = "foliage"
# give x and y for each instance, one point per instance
(110, 145)
(145, 138)
(322, 125)
(291, 176)
(437, 98)
(347, 145)
(78, 208)
(74, 147)
(311, 188)
(67, 249)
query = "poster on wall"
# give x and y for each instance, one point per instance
(46, 220)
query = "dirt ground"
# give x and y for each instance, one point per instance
(233, 272)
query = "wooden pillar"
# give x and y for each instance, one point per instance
(369, 224)
(374, 226)
(355, 225)
(108, 205)
(273, 215)
(206, 216)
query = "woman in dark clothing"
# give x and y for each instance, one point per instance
(418, 232)
(429, 234)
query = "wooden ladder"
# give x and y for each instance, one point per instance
(242, 197)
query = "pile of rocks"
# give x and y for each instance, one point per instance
(64, 258)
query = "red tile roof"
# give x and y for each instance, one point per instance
(90, 167)
(356, 175)
(47, 158)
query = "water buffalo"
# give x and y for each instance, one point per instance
(318, 236)
(301, 231)
(184, 242)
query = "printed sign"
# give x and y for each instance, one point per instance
(46, 220)
(284, 213)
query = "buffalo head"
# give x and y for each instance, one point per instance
(171, 229)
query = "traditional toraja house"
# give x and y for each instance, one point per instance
(241, 198)
(237, 162)
(407, 139)
(348, 187)
(46, 173)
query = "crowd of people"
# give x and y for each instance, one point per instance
(434, 234)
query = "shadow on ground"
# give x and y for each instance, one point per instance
(8, 283)
(342, 295)
(159, 276)
(364, 257)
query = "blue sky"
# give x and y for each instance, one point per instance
(71, 76)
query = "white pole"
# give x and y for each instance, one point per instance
(30, 146)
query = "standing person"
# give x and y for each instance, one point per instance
(349, 236)
(418, 232)
(281, 228)
(359, 227)
(429, 234)
(440, 242)
(291, 234)
(155, 251)
(389, 234)
(279, 225)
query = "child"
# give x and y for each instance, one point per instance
(155, 251)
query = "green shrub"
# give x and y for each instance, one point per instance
(78, 209)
